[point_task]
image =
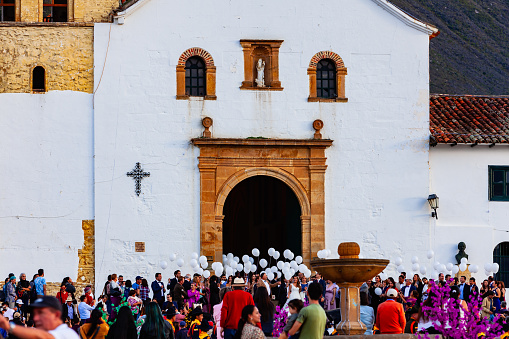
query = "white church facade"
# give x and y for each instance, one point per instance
(332, 146)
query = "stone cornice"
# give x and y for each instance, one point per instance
(237, 142)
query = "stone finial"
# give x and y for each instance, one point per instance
(349, 250)
(207, 122)
(318, 125)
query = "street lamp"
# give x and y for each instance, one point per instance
(433, 203)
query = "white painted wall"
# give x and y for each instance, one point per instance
(377, 179)
(47, 181)
(459, 176)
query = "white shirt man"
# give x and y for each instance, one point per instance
(462, 285)
(84, 309)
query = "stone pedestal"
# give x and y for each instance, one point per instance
(466, 273)
(350, 311)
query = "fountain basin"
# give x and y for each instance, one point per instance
(351, 272)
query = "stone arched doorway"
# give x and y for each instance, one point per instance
(299, 163)
(279, 190)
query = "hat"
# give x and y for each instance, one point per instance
(182, 323)
(392, 293)
(87, 289)
(16, 315)
(205, 326)
(196, 312)
(12, 278)
(19, 301)
(171, 313)
(238, 282)
(138, 277)
(68, 299)
(47, 301)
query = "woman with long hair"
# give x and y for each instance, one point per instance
(484, 289)
(144, 292)
(330, 293)
(214, 291)
(124, 327)
(497, 296)
(249, 319)
(501, 287)
(155, 327)
(96, 328)
(266, 309)
(423, 321)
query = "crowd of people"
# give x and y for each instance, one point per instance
(239, 306)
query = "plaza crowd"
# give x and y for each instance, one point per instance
(242, 306)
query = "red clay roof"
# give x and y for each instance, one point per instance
(469, 119)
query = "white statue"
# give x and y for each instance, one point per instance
(260, 77)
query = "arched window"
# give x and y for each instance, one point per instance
(327, 74)
(7, 10)
(195, 77)
(54, 11)
(39, 79)
(326, 79)
(501, 257)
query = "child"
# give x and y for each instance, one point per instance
(294, 306)
(182, 333)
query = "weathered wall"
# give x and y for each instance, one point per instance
(377, 180)
(459, 176)
(66, 52)
(47, 183)
(93, 10)
(29, 10)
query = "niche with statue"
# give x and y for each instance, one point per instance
(261, 64)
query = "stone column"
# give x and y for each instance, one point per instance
(208, 235)
(274, 62)
(306, 239)
(248, 66)
(312, 82)
(317, 169)
(210, 82)
(181, 81)
(350, 310)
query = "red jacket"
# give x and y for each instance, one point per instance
(233, 303)
(390, 317)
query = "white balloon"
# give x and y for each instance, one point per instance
(434, 275)
(245, 258)
(200, 271)
(248, 265)
(273, 269)
(271, 251)
(193, 263)
(398, 261)
(246, 270)
(378, 291)
(219, 272)
(474, 268)
(415, 267)
(423, 270)
(430, 254)
(449, 266)
(415, 260)
(329, 252)
(276, 255)
(256, 252)
(240, 267)
(236, 259)
(487, 273)
(204, 265)
(229, 256)
(401, 268)
(251, 260)
(464, 260)
(194, 255)
(455, 269)
(206, 274)
(163, 264)
(383, 276)
(307, 274)
(487, 267)
(263, 263)
(270, 276)
(203, 259)
(254, 268)
(180, 262)
(229, 271)
(494, 267)
(286, 265)
(287, 276)
(294, 265)
(298, 259)
(173, 256)
(442, 269)
(280, 265)
(292, 272)
(285, 253)
(436, 265)
(302, 268)
(463, 266)
(290, 256)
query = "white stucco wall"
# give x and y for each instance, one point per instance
(377, 179)
(459, 176)
(47, 181)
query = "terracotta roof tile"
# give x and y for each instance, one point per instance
(469, 119)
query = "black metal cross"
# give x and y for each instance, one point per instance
(137, 174)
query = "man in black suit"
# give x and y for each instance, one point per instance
(172, 282)
(158, 289)
(469, 290)
(324, 286)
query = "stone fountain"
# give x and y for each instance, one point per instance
(349, 273)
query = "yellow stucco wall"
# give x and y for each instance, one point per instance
(93, 10)
(66, 52)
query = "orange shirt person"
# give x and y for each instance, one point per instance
(390, 317)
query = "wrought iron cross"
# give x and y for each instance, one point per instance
(137, 174)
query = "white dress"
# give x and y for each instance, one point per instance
(294, 293)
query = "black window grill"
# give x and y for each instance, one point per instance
(499, 183)
(195, 77)
(7, 10)
(501, 257)
(39, 79)
(326, 79)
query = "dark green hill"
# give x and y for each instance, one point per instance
(471, 54)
